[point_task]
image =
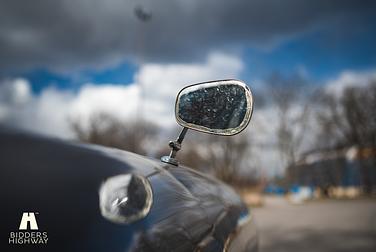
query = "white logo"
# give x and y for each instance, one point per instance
(28, 218)
(23, 236)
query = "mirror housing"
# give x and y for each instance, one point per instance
(221, 107)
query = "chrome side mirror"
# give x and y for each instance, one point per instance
(221, 107)
(217, 107)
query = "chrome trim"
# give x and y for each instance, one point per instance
(109, 187)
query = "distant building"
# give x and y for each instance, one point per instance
(342, 167)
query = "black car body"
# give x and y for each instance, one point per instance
(60, 182)
(64, 196)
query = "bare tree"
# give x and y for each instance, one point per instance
(227, 154)
(349, 120)
(222, 156)
(291, 98)
(105, 129)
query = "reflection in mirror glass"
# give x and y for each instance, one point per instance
(214, 107)
(125, 198)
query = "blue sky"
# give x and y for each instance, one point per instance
(314, 54)
(43, 78)
(319, 55)
(305, 55)
(317, 39)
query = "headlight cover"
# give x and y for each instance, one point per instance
(125, 198)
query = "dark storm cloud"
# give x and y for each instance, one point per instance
(67, 35)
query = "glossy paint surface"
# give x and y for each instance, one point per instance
(60, 181)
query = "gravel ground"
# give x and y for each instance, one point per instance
(327, 225)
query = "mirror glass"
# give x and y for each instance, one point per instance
(219, 107)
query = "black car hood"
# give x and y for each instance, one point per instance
(60, 181)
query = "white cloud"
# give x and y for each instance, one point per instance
(13, 93)
(161, 83)
(264, 125)
(120, 101)
(51, 111)
(350, 79)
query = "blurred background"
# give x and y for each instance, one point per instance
(107, 72)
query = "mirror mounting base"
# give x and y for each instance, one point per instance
(175, 147)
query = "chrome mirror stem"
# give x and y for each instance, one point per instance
(175, 147)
